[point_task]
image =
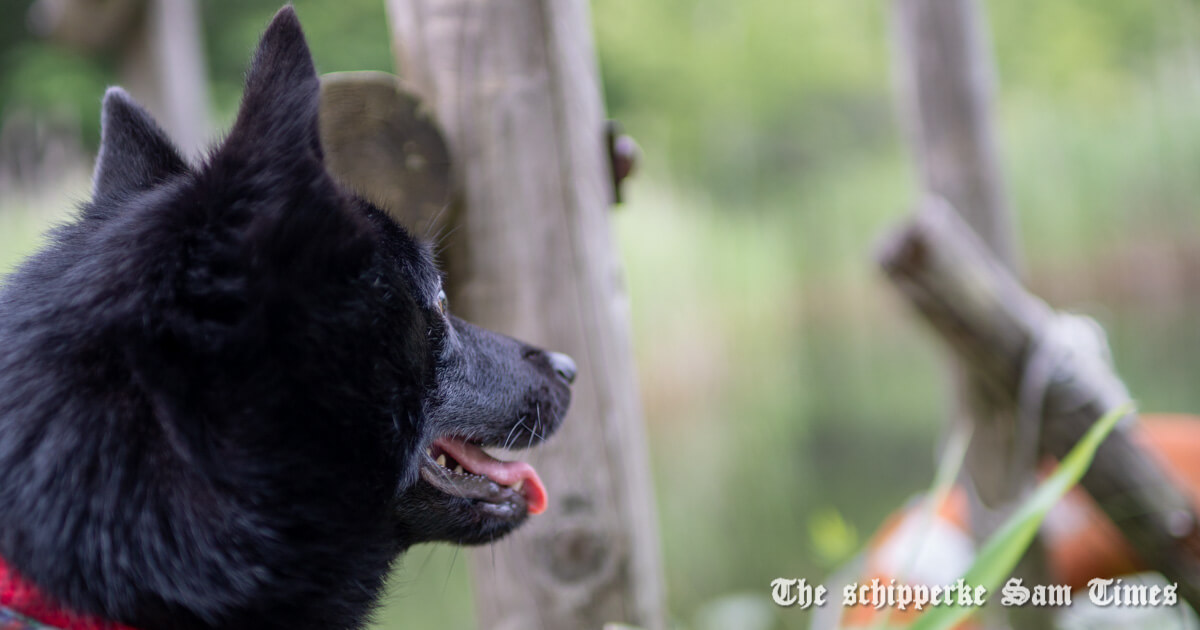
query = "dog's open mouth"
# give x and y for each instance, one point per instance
(460, 468)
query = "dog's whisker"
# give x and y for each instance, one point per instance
(425, 563)
(538, 427)
(443, 241)
(508, 441)
(450, 571)
(533, 431)
(432, 224)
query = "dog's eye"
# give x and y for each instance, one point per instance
(441, 302)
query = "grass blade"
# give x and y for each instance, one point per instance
(1000, 554)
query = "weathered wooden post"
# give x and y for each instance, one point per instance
(514, 84)
(946, 83)
(946, 86)
(382, 143)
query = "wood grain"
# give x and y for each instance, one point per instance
(514, 84)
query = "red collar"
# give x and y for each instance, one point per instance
(24, 598)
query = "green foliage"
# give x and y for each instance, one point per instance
(34, 74)
(1000, 553)
(746, 95)
(43, 78)
(833, 539)
(343, 35)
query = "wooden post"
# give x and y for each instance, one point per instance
(996, 329)
(946, 84)
(380, 142)
(515, 86)
(163, 63)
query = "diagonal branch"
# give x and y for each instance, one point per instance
(997, 329)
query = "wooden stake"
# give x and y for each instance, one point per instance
(514, 84)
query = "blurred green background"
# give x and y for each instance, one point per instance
(792, 402)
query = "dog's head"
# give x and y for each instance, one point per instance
(449, 388)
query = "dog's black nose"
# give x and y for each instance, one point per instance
(564, 366)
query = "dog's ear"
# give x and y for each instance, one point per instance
(135, 154)
(279, 112)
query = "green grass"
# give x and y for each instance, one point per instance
(23, 224)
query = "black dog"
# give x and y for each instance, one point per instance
(231, 394)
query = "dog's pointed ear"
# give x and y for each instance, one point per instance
(135, 154)
(279, 109)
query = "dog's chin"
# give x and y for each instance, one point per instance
(468, 497)
(430, 515)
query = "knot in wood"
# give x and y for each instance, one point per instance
(578, 552)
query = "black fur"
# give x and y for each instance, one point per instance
(217, 384)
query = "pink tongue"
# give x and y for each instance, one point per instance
(476, 461)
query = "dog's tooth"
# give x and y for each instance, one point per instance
(516, 487)
(429, 452)
(458, 469)
(441, 460)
